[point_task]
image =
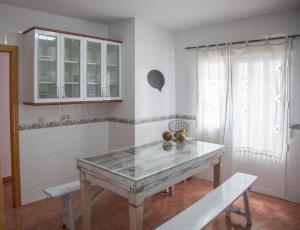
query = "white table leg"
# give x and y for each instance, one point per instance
(85, 192)
(136, 217)
(136, 211)
(217, 174)
(171, 190)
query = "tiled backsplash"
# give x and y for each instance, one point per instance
(48, 156)
(96, 120)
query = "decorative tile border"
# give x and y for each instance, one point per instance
(60, 123)
(163, 118)
(96, 120)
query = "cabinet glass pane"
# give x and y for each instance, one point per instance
(47, 66)
(112, 70)
(93, 69)
(72, 68)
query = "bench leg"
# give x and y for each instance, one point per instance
(247, 208)
(64, 211)
(71, 214)
(228, 211)
(246, 213)
(67, 215)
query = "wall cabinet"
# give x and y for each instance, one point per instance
(67, 68)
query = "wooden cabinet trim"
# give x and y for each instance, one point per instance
(71, 102)
(70, 33)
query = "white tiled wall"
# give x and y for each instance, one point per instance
(146, 46)
(48, 155)
(283, 23)
(125, 31)
(154, 49)
(122, 135)
(149, 132)
(293, 159)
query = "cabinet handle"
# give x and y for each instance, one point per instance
(106, 91)
(57, 92)
(63, 92)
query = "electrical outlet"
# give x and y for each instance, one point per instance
(65, 117)
(42, 120)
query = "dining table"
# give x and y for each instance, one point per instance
(138, 172)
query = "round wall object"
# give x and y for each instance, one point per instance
(156, 79)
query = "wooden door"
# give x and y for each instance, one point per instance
(14, 127)
(2, 225)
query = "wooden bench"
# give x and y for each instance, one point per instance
(66, 192)
(204, 211)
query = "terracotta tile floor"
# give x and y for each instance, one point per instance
(110, 211)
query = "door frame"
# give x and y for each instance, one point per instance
(14, 124)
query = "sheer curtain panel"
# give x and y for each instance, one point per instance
(212, 94)
(258, 73)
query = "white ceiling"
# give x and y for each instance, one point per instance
(172, 14)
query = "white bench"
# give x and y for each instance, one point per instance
(66, 192)
(201, 213)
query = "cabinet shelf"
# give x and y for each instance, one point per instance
(112, 65)
(47, 59)
(93, 63)
(93, 83)
(73, 102)
(47, 82)
(71, 83)
(71, 62)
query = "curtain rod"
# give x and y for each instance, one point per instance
(240, 42)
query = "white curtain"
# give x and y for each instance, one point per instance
(212, 94)
(258, 73)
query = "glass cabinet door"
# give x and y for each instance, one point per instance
(71, 85)
(47, 71)
(113, 70)
(93, 69)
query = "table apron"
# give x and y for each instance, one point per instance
(179, 176)
(173, 177)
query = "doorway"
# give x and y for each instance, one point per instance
(9, 123)
(5, 151)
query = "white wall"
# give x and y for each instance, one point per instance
(5, 153)
(125, 31)
(48, 154)
(122, 135)
(287, 22)
(293, 160)
(154, 49)
(146, 46)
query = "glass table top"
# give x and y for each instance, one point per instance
(137, 163)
